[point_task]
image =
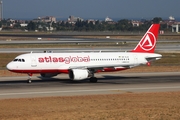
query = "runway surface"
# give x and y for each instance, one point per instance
(171, 45)
(67, 40)
(159, 48)
(16, 87)
(78, 40)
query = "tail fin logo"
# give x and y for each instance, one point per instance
(148, 42)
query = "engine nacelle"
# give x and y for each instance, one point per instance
(78, 74)
(48, 75)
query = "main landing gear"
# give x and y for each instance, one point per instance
(29, 77)
(93, 79)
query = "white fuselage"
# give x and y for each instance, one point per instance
(62, 62)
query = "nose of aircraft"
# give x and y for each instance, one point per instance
(9, 66)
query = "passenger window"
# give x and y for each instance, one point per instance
(19, 60)
(23, 60)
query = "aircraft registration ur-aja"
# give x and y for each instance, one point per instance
(80, 66)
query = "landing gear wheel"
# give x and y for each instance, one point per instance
(28, 81)
(29, 78)
(93, 79)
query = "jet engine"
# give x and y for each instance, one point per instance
(78, 74)
(48, 75)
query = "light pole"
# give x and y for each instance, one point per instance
(1, 7)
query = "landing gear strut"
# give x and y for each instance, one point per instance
(29, 77)
(92, 78)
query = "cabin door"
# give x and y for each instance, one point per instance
(33, 61)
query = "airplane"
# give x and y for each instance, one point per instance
(80, 66)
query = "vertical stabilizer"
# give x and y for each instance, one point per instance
(148, 42)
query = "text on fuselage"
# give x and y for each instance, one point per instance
(66, 60)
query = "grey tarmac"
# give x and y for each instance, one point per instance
(109, 83)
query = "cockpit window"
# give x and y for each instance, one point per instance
(19, 60)
(15, 60)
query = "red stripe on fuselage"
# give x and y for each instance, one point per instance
(40, 71)
(64, 70)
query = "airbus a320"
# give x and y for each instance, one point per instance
(80, 66)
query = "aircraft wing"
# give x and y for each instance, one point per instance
(99, 67)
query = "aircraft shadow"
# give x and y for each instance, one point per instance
(68, 81)
(106, 79)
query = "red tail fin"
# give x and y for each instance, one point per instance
(148, 41)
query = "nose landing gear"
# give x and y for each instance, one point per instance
(29, 77)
